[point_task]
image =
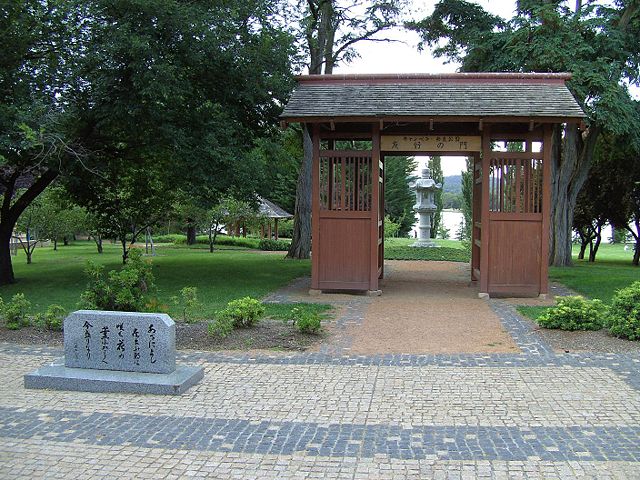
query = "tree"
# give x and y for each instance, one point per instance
(618, 175)
(398, 197)
(171, 101)
(588, 221)
(596, 42)
(278, 160)
(93, 228)
(31, 222)
(464, 233)
(227, 213)
(182, 87)
(126, 201)
(61, 218)
(41, 43)
(329, 30)
(435, 165)
(190, 215)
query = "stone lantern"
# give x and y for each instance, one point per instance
(425, 206)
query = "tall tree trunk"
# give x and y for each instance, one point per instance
(6, 268)
(569, 170)
(191, 234)
(9, 214)
(583, 245)
(636, 236)
(301, 240)
(65, 241)
(28, 250)
(55, 244)
(594, 250)
(98, 240)
(125, 252)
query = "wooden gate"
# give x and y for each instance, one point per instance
(347, 226)
(516, 203)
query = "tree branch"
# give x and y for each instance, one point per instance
(32, 192)
(365, 36)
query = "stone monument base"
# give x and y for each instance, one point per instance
(58, 377)
(425, 244)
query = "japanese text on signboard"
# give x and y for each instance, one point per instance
(430, 143)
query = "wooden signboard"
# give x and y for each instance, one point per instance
(431, 143)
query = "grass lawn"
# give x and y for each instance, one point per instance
(400, 249)
(611, 271)
(58, 277)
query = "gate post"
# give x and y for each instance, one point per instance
(547, 144)
(484, 212)
(315, 209)
(375, 208)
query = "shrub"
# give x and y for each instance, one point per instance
(305, 321)
(188, 303)
(624, 320)
(391, 228)
(246, 242)
(274, 245)
(175, 238)
(122, 290)
(285, 228)
(16, 312)
(220, 327)
(243, 312)
(179, 239)
(575, 313)
(54, 317)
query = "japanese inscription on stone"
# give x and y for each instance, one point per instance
(133, 342)
(430, 143)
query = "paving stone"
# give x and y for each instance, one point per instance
(330, 414)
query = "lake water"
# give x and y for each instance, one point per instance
(451, 220)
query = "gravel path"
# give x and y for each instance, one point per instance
(429, 307)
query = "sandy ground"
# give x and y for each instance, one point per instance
(429, 307)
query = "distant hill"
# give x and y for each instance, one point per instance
(453, 184)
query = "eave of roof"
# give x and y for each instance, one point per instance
(460, 97)
(272, 210)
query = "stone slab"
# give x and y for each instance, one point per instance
(124, 341)
(57, 376)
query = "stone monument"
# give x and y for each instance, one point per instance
(425, 206)
(117, 352)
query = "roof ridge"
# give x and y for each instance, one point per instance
(429, 77)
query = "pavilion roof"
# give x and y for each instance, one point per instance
(271, 210)
(465, 96)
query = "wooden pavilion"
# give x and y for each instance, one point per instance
(502, 120)
(271, 211)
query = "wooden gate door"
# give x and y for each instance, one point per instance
(344, 207)
(518, 203)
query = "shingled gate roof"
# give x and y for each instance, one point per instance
(480, 95)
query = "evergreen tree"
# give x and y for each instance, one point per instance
(467, 204)
(398, 197)
(435, 165)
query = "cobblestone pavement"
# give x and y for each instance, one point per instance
(330, 415)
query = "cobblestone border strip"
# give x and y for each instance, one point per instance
(352, 314)
(520, 329)
(624, 363)
(335, 440)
